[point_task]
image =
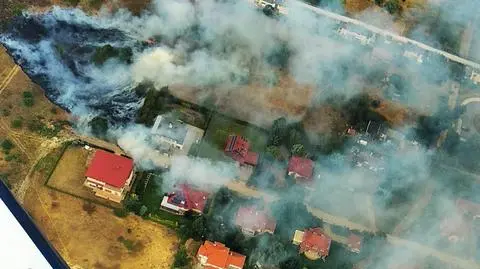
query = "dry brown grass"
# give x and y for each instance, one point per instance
(69, 175)
(27, 144)
(89, 238)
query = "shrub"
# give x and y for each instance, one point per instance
(17, 123)
(96, 4)
(392, 6)
(120, 212)
(28, 99)
(7, 145)
(53, 110)
(71, 2)
(6, 112)
(18, 8)
(181, 258)
(99, 126)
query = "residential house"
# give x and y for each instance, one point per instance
(468, 208)
(253, 221)
(185, 199)
(109, 175)
(237, 147)
(475, 77)
(313, 243)
(455, 228)
(300, 168)
(354, 242)
(169, 132)
(217, 256)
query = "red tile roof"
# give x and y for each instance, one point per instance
(237, 147)
(110, 168)
(189, 198)
(468, 207)
(252, 219)
(301, 166)
(354, 242)
(316, 241)
(220, 256)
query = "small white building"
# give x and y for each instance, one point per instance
(169, 132)
(475, 77)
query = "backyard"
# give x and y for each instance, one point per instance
(69, 174)
(219, 128)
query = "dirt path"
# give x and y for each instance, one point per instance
(8, 78)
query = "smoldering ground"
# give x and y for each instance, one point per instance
(220, 45)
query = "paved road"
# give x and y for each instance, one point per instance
(381, 32)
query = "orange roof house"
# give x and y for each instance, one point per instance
(313, 243)
(109, 175)
(217, 256)
(238, 147)
(253, 222)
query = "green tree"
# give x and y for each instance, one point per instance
(298, 150)
(181, 258)
(392, 6)
(274, 151)
(278, 132)
(199, 227)
(379, 2)
(7, 145)
(99, 126)
(28, 99)
(290, 263)
(17, 123)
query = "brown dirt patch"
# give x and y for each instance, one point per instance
(255, 103)
(90, 239)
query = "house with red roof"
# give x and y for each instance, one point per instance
(185, 199)
(300, 168)
(469, 208)
(253, 221)
(313, 243)
(237, 147)
(109, 175)
(215, 255)
(354, 242)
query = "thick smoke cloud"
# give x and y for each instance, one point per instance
(226, 45)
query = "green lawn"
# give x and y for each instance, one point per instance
(219, 128)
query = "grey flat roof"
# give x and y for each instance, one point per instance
(172, 129)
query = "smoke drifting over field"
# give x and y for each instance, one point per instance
(226, 45)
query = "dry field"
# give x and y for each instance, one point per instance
(69, 175)
(27, 145)
(87, 235)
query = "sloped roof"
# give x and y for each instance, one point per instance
(189, 198)
(237, 144)
(301, 166)
(110, 168)
(315, 240)
(354, 241)
(251, 158)
(220, 256)
(468, 207)
(251, 218)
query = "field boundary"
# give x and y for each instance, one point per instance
(50, 173)
(67, 145)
